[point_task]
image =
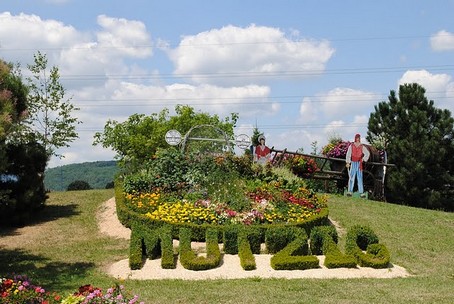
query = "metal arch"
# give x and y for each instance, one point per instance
(222, 132)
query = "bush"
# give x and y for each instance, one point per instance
(22, 191)
(247, 259)
(189, 258)
(318, 235)
(363, 238)
(276, 238)
(167, 255)
(295, 256)
(78, 185)
(110, 185)
(230, 239)
(324, 241)
(360, 236)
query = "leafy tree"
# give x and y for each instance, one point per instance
(78, 185)
(22, 163)
(25, 186)
(418, 138)
(110, 185)
(50, 118)
(13, 99)
(137, 139)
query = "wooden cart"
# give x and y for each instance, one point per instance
(330, 168)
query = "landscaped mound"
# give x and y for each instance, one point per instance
(220, 198)
(218, 190)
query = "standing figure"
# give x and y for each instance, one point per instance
(262, 153)
(357, 153)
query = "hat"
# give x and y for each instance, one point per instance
(357, 136)
(261, 137)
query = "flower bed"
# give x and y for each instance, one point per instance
(19, 289)
(266, 204)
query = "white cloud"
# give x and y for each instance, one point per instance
(442, 41)
(439, 87)
(251, 100)
(125, 37)
(308, 110)
(338, 102)
(244, 55)
(340, 112)
(39, 34)
(431, 82)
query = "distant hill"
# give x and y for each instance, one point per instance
(97, 174)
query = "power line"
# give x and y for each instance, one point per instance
(283, 99)
(270, 127)
(227, 43)
(245, 74)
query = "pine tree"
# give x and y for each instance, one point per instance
(418, 138)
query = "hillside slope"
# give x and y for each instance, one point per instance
(98, 174)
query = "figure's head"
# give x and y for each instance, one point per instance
(261, 137)
(357, 138)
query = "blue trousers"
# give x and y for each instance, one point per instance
(355, 172)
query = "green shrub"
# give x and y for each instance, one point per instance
(22, 192)
(189, 258)
(151, 241)
(276, 238)
(324, 241)
(136, 249)
(247, 259)
(230, 239)
(255, 237)
(318, 235)
(167, 256)
(377, 256)
(110, 185)
(334, 258)
(295, 256)
(78, 185)
(362, 238)
(137, 182)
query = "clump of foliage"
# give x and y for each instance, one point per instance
(136, 140)
(419, 140)
(22, 160)
(210, 189)
(78, 185)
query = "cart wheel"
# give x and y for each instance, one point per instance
(369, 183)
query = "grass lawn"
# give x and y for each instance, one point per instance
(63, 250)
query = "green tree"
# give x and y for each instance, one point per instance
(12, 105)
(418, 138)
(50, 118)
(255, 136)
(13, 99)
(78, 185)
(137, 139)
(22, 162)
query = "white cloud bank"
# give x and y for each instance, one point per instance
(442, 41)
(240, 55)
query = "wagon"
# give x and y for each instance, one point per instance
(334, 169)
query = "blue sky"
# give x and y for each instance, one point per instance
(301, 71)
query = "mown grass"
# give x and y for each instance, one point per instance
(63, 249)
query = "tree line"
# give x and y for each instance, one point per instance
(81, 176)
